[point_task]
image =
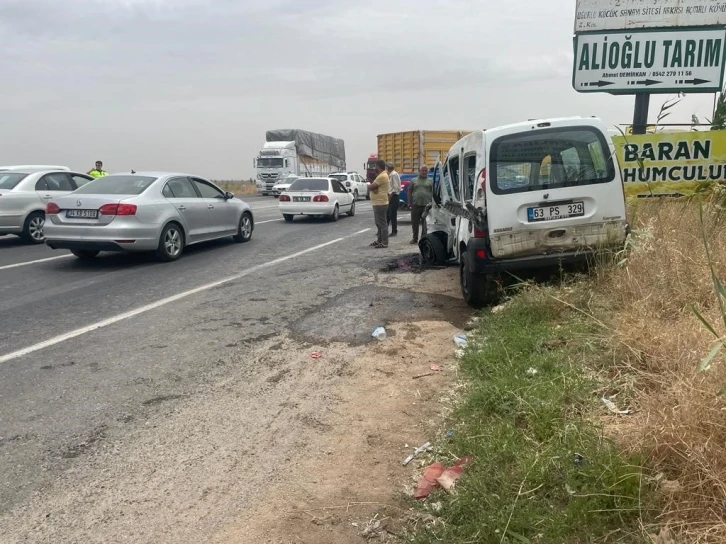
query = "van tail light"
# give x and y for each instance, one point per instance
(284, 198)
(321, 198)
(52, 208)
(117, 209)
(479, 233)
(481, 254)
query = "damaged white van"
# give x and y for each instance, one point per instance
(525, 196)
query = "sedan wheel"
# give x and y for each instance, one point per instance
(336, 214)
(244, 233)
(33, 229)
(171, 243)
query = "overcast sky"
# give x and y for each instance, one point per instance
(193, 85)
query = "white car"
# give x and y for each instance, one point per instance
(24, 193)
(319, 197)
(353, 181)
(282, 186)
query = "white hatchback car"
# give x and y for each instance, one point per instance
(319, 197)
(24, 193)
(353, 181)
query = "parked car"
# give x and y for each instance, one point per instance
(162, 212)
(282, 186)
(319, 197)
(353, 181)
(24, 193)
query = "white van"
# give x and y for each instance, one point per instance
(530, 195)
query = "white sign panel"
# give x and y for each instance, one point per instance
(592, 15)
(650, 61)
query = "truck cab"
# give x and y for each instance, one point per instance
(525, 196)
(275, 162)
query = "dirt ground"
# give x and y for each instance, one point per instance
(273, 445)
(385, 410)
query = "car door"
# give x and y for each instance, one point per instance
(223, 218)
(192, 210)
(54, 185)
(345, 199)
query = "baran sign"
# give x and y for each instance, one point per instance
(650, 61)
(671, 163)
(593, 15)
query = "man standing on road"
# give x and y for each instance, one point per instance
(420, 195)
(98, 171)
(379, 199)
(394, 197)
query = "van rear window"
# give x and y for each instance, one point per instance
(550, 159)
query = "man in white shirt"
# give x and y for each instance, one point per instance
(394, 193)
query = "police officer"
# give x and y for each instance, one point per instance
(98, 171)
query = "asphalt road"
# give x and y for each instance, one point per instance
(90, 352)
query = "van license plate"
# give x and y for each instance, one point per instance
(551, 213)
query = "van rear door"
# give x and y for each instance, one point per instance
(553, 189)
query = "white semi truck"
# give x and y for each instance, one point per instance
(290, 153)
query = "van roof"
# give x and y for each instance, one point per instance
(552, 122)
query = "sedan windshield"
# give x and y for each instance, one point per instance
(8, 180)
(117, 185)
(310, 184)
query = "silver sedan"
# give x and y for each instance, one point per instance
(145, 211)
(24, 193)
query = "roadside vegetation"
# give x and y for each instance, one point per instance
(553, 462)
(238, 187)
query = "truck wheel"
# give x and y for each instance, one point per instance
(478, 290)
(433, 250)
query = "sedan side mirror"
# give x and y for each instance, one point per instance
(228, 196)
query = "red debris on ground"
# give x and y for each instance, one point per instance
(437, 474)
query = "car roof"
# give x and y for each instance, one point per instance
(32, 168)
(156, 174)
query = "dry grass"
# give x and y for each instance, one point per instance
(657, 343)
(238, 187)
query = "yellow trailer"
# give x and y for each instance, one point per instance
(408, 150)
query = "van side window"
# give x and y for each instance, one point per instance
(454, 169)
(470, 177)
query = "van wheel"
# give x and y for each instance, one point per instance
(351, 212)
(478, 290)
(355, 195)
(433, 250)
(368, 194)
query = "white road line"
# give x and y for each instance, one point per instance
(16, 265)
(163, 302)
(270, 221)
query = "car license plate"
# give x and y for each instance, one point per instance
(559, 211)
(301, 199)
(82, 214)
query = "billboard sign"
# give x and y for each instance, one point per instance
(598, 15)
